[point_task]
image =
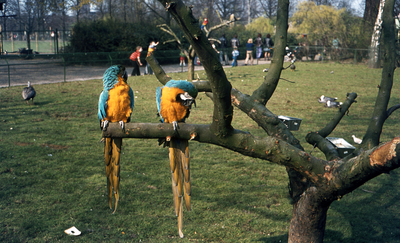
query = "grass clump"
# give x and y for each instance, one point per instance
(52, 172)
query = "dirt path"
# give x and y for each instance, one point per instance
(20, 72)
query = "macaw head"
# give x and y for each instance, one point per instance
(180, 91)
(186, 99)
(110, 77)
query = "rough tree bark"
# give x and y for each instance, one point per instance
(374, 58)
(314, 183)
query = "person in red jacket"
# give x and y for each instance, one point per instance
(135, 58)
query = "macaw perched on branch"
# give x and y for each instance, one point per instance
(174, 102)
(115, 105)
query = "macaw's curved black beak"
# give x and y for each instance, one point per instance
(125, 76)
(186, 99)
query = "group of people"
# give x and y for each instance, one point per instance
(258, 44)
(223, 52)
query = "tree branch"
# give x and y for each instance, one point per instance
(349, 174)
(324, 145)
(268, 148)
(318, 138)
(392, 109)
(154, 11)
(328, 129)
(379, 116)
(168, 30)
(158, 71)
(215, 27)
(267, 88)
(201, 85)
(264, 118)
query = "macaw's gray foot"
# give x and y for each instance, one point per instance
(104, 125)
(122, 124)
(175, 125)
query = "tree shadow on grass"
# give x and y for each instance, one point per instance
(371, 214)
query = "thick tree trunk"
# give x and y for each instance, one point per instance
(370, 13)
(374, 58)
(309, 219)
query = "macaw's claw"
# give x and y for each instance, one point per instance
(175, 125)
(193, 136)
(104, 125)
(122, 124)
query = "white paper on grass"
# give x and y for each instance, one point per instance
(72, 231)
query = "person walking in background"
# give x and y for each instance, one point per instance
(182, 59)
(150, 50)
(259, 43)
(269, 44)
(235, 55)
(235, 41)
(335, 45)
(249, 51)
(222, 52)
(135, 58)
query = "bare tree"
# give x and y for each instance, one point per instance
(314, 183)
(269, 7)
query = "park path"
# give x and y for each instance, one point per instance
(50, 71)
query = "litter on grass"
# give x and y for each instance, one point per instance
(72, 231)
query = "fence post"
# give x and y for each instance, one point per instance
(65, 75)
(8, 67)
(56, 41)
(355, 56)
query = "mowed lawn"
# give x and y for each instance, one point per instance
(52, 173)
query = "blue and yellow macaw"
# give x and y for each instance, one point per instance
(115, 105)
(174, 102)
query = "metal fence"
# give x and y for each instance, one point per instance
(18, 69)
(40, 42)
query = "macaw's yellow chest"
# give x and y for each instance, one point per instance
(118, 103)
(172, 110)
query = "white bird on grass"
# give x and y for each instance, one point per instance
(356, 140)
(331, 104)
(324, 99)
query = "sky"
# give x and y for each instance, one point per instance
(356, 4)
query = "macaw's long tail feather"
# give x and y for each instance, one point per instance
(112, 155)
(180, 173)
(186, 172)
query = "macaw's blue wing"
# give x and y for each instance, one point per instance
(158, 98)
(102, 105)
(132, 99)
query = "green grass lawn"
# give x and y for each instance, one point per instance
(41, 46)
(52, 173)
